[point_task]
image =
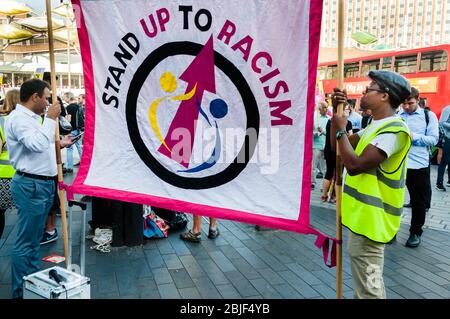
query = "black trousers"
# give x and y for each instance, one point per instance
(419, 188)
(127, 224)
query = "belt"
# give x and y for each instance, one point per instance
(45, 178)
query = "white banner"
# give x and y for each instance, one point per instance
(203, 107)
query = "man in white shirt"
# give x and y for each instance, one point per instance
(31, 147)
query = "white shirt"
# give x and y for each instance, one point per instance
(31, 146)
(389, 143)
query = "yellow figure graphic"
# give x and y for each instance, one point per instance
(168, 83)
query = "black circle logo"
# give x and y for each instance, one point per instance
(251, 108)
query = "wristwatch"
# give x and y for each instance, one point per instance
(339, 134)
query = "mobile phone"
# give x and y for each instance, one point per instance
(77, 137)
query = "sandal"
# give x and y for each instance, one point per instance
(190, 236)
(213, 233)
(324, 198)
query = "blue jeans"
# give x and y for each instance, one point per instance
(33, 198)
(79, 146)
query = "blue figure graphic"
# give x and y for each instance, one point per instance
(218, 109)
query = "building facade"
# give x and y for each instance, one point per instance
(397, 24)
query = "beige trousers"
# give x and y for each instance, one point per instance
(367, 260)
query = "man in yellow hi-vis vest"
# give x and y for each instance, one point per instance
(375, 161)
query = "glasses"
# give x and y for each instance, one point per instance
(368, 89)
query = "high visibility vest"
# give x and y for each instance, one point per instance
(372, 202)
(6, 169)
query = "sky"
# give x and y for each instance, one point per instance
(38, 6)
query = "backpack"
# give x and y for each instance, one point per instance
(175, 220)
(80, 118)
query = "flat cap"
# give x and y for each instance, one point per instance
(393, 83)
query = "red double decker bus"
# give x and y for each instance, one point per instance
(426, 69)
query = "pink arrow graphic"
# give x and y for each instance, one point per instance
(201, 73)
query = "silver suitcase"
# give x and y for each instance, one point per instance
(74, 286)
(40, 286)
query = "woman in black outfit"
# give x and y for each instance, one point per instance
(330, 159)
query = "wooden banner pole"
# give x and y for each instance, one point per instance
(338, 185)
(58, 149)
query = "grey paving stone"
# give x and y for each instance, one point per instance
(325, 291)
(221, 261)
(165, 247)
(178, 245)
(287, 291)
(271, 276)
(181, 278)
(241, 283)
(405, 292)
(228, 291)
(306, 275)
(270, 260)
(154, 259)
(168, 291)
(213, 271)
(162, 276)
(302, 287)
(107, 284)
(198, 251)
(390, 294)
(189, 293)
(192, 266)
(172, 261)
(251, 258)
(206, 288)
(229, 252)
(426, 283)
(431, 295)
(424, 273)
(265, 289)
(245, 268)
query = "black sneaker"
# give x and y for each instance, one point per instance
(47, 238)
(407, 205)
(413, 241)
(440, 187)
(319, 175)
(213, 233)
(447, 184)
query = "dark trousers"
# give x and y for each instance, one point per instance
(127, 224)
(419, 188)
(444, 162)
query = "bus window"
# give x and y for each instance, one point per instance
(433, 61)
(331, 72)
(387, 63)
(369, 65)
(351, 70)
(405, 64)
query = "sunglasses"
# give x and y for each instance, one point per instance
(368, 89)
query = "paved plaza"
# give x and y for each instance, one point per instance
(245, 263)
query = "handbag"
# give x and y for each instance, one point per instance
(154, 227)
(64, 126)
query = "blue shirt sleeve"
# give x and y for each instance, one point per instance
(431, 137)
